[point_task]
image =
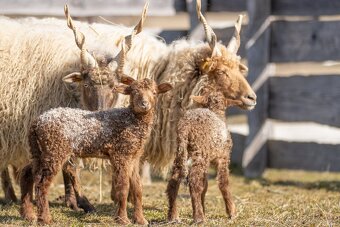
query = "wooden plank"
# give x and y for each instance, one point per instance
(303, 155)
(306, 98)
(85, 7)
(306, 7)
(227, 5)
(239, 141)
(305, 41)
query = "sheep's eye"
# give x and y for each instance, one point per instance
(220, 72)
(86, 85)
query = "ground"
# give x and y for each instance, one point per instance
(280, 198)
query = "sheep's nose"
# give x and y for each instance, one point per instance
(145, 104)
(251, 97)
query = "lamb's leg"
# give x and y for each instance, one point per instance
(73, 195)
(223, 184)
(204, 191)
(136, 193)
(197, 184)
(8, 187)
(146, 173)
(172, 191)
(121, 173)
(26, 187)
(44, 173)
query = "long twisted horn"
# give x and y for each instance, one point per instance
(138, 28)
(234, 43)
(127, 41)
(209, 33)
(87, 60)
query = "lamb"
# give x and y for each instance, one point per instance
(203, 138)
(118, 135)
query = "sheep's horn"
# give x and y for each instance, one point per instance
(127, 41)
(234, 43)
(210, 35)
(138, 28)
(87, 60)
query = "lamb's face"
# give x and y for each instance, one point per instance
(95, 87)
(143, 93)
(228, 76)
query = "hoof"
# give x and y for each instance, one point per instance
(31, 217)
(44, 220)
(84, 204)
(199, 221)
(72, 203)
(140, 221)
(122, 220)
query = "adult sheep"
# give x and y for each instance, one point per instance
(35, 56)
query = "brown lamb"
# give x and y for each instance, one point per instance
(117, 134)
(203, 138)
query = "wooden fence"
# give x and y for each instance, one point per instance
(275, 37)
(273, 34)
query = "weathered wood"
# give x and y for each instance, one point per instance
(239, 142)
(227, 5)
(306, 7)
(85, 7)
(305, 41)
(306, 98)
(254, 158)
(303, 155)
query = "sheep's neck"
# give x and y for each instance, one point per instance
(146, 118)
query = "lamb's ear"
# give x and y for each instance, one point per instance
(164, 87)
(199, 99)
(126, 79)
(243, 68)
(123, 89)
(75, 77)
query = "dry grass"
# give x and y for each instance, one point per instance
(280, 198)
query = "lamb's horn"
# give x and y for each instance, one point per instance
(234, 43)
(87, 60)
(210, 34)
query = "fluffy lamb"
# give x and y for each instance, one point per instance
(118, 135)
(203, 139)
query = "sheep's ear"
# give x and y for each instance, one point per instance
(123, 89)
(75, 77)
(164, 87)
(243, 68)
(126, 79)
(199, 99)
(207, 65)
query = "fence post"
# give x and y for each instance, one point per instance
(254, 159)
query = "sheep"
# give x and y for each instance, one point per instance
(118, 135)
(203, 138)
(191, 66)
(36, 55)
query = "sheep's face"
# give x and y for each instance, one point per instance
(95, 87)
(143, 93)
(228, 75)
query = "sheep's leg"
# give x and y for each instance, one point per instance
(8, 187)
(73, 195)
(26, 187)
(223, 183)
(136, 193)
(120, 181)
(146, 173)
(172, 191)
(197, 185)
(44, 174)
